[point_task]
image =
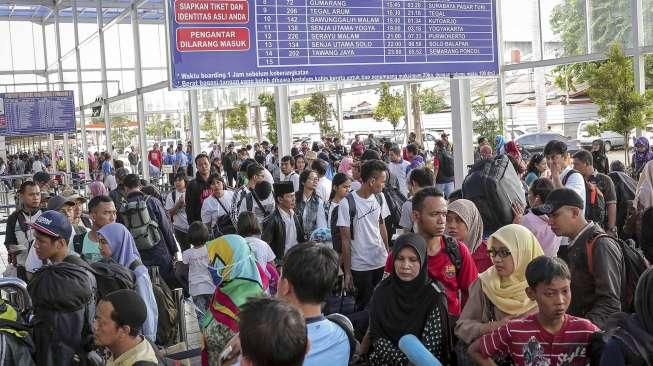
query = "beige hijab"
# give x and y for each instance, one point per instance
(467, 211)
(644, 192)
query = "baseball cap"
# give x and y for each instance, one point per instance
(558, 198)
(53, 223)
(70, 194)
(57, 202)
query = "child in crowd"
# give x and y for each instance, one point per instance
(549, 337)
(200, 284)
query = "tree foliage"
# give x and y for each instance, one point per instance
(431, 101)
(298, 111)
(610, 22)
(208, 125)
(158, 128)
(267, 100)
(125, 134)
(319, 107)
(390, 106)
(487, 123)
(612, 88)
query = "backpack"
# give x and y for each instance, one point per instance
(62, 297)
(166, 332)
(446, 164)
(136, 217)
(634, 265)
(625, 188)
(335, 231)
(112, 276)
(395, 200)
(346, 325)
(595, 209)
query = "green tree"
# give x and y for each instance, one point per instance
(431, 101)
(158, 129)
(237, 121)
(610, 22)
(267, 100)
(319, 107)
(208, 125)
(390, 106)
(124, 134)
(612, 88)
(298, 111)
(487, 123)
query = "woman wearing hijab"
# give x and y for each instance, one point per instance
(499, 293)
(407, 302)
(642, 202)
(464, 223)
(632, 342)
(117, 243)
(600, 157)
(641, 156)
(237, 277)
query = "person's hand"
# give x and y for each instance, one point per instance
(12, 258)
(517, 213)
(348, 283)
(231, 351)
(554, 168)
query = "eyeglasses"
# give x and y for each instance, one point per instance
(502, 253)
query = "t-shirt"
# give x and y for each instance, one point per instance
(182, 159)
(180, 220)
(441, 269)
(292, 177)
(154, 156)
(329, 343)
(531, 345)
(212, 210)
(261, 249)
(323, 189)
(368, 251)
(400, 170)
(91, 249)
(199, 278)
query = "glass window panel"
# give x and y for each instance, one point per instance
(38, 46)
(50, 43)
(23, 45)
(89, 55)
(153, 50)
(5, 45)
(611, 21)
(647, 5)
(519, 25)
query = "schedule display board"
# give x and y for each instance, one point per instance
(264, 42)
(35, 113)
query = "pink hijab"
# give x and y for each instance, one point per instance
(98, 189)
(345, 165)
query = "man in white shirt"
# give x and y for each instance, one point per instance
(288, 173)
(563, 176)
(399, 167)
(364, 236)
(323, 188)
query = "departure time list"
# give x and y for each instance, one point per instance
(310, 35)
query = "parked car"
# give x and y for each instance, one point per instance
(610, 139)
(532, 143)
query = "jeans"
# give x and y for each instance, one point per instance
(446, 188)
(365, 282)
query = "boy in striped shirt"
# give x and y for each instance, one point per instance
(548, 338)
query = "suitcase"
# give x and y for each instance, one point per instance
(493, 186)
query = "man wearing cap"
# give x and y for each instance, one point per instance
(595, 294)
(118, 326)
(283, 228)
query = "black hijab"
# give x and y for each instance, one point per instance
(636, 330)
(401, 307)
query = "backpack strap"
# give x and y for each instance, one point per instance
(174, 196)
(258, 203)
(78, 243)
(568, 175)
(224, 208)
(352, 213)
(379, 198)
(589, 247)
(453, 251)
(346, 325)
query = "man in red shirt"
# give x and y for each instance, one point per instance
(550, 337)
(357, 147)
(154, 156)
(430, 216)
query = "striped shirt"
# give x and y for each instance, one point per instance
(531, 345)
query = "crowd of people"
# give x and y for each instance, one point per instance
(364, 254)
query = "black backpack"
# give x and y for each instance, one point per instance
(62, 297)
(625, 188)
(109, 275)
(395, 201)
(634, 265)
(446, 164)
(166, 332)
(595, 209)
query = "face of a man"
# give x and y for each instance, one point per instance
(432, 218)
(564, 221)
(103, 214)
(31, 197)
(46, 247)
(287, 201)
(106, 331)
(286, 167)
(203, 166)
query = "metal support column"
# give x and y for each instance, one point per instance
(540, 82)
(284, 128)
(639, 61)
(194, 124)
(80, 91)
(140, 105)
(461, 123)
(66, 148)
(339, 109)
(105, 88)
(588, 25)
(408, 115)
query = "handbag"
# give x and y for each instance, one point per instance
(340, 301)
(224, 225)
